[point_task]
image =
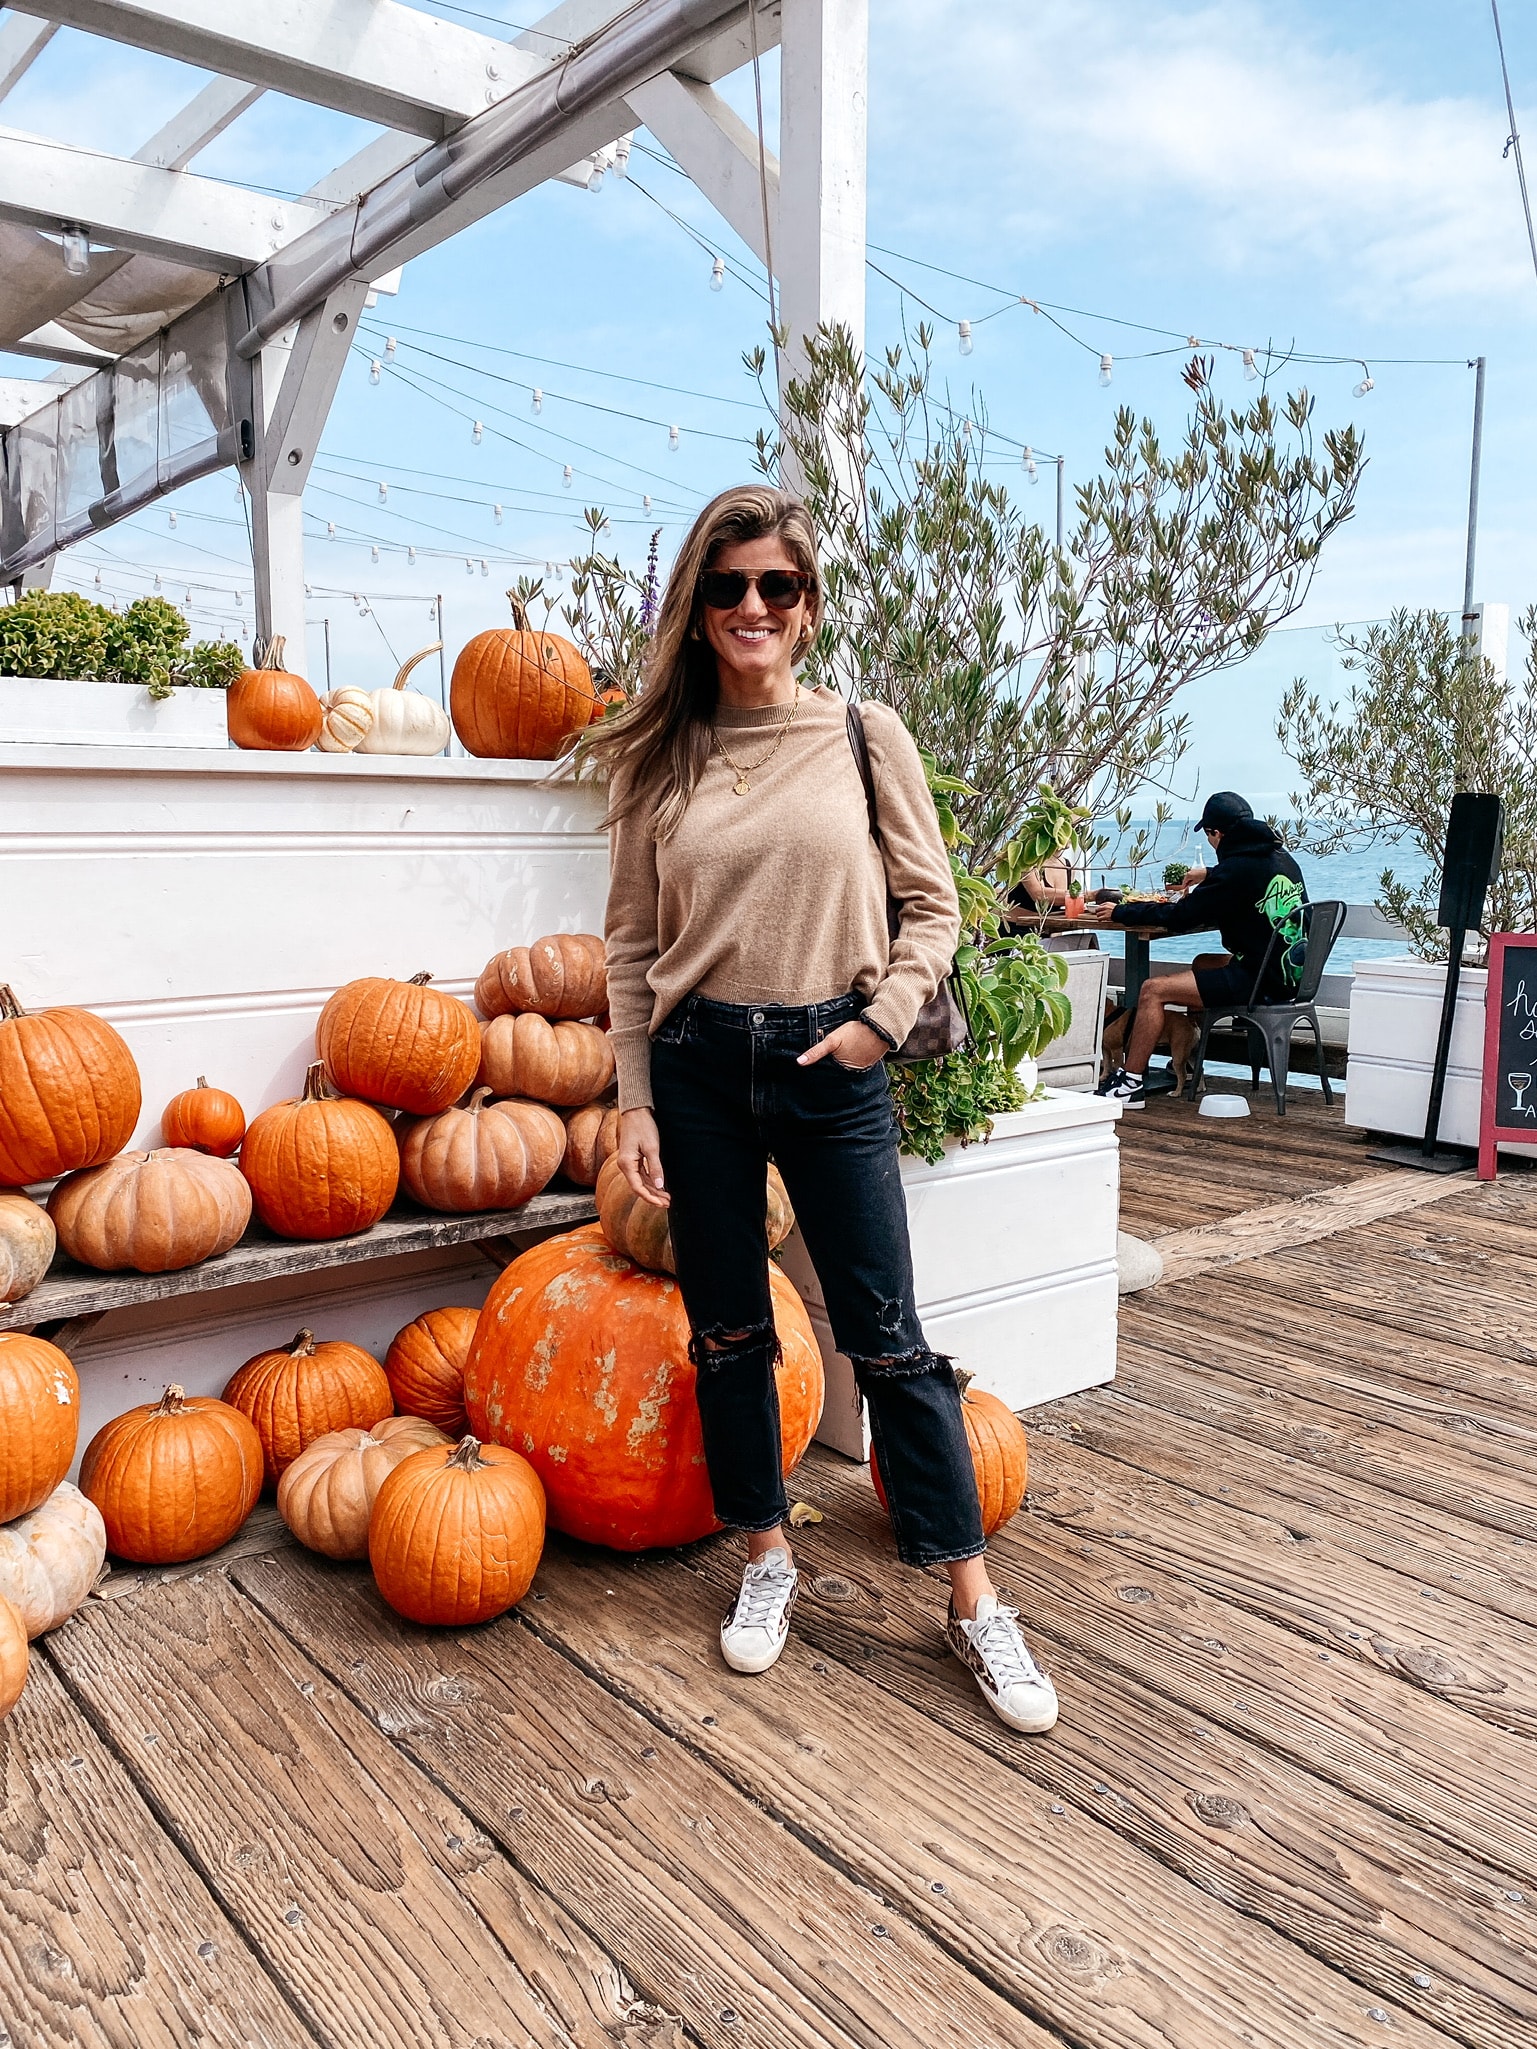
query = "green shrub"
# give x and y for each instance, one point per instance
(53, 633)
(61, 634)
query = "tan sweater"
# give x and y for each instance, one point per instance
(780, 896)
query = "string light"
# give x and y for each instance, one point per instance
(389, 345)
(595, 177)
(373, 554)
(477, 433)
(1249, 370)
(538, 399)
(566, 475)
(672, 441)
(384, 494)
(171, 516)
(1368, 383)
(98, 579)
(621, 156)
(157, 579)
(963, 330)
(411, 554)
(1029, 465)
(645, 503)
(469, 567)
(483, 569)
(496, 514)
(375, 371)
(330, 529)
(1106, 368)
(718, 274)
(77, 251)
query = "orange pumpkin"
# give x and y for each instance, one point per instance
(321, 1167)
(69, 1092)
(526, 1055)
(580, 1361)
(327, 1494)
(562, 976)
(269, 708)
(174, 1479)
(39, 1421)
(639, 1229)
(592, 1139)
(151, 1212)
(14, 1657)
(425, 1367)
(295, 1395)
(204, 1119)
(399, 1043)
(998, 1452)
(519, 694)
(485, 1156)
(455, 1536)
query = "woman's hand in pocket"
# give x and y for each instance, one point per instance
(640, 1156)
(852, 1045)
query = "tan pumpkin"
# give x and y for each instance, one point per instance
(639, 1229)
(425, 1367)
(39, 1421)
(526, 1055)
(174, 1479)
(268, 708)
(592, 1139)
(327, 1495)
(49, 1559)
(299, 1392)
(322, 1166)
(485, 1156)
(402, 1044)
(404, 721)
(520, 694)
(346, 720)
(152, 1213)
(13, 1657)
(560, 976)
(209, 1120)
(1000, 1454)
(27, 1243)
(69, 1092)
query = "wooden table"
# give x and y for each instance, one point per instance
(1139, 940)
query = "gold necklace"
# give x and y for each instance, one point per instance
(741, 786)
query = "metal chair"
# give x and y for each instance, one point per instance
(1273, 1023)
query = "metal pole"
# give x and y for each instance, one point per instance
(1061, 459)
(1478, 449)
(327, 624)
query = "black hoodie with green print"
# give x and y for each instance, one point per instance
(1231, 899)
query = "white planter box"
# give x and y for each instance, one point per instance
(1013, 1258)
(1395, 1016)
(108, 715)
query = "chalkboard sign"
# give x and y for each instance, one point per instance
(1510, 1048)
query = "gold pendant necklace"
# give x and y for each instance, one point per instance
(741, 787)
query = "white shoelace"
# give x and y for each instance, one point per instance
(764, 1593)
(1004, 1650)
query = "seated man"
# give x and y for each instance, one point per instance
(1240, 897)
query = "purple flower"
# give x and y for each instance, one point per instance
(650, 589)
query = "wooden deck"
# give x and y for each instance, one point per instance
(1283, 1573)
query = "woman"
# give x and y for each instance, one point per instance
(754, 995)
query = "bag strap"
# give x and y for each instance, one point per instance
(860, 745)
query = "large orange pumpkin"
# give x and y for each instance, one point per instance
(520, 695)
(526, 1055)
(639, 1229)
(321, 1167)
(294, 1395)
(455, 1536)
(561, 976)
(399, 1043)
(208, 1120)
(39, 1421)
(269, 708)
(151, 1212)
(592, 1139)
(69, 1092)
(580, 1361)
(327, 1495)
(425, 1367)
(14, 1657)
(998, 1452)
(174, 1479)
(485, 1156)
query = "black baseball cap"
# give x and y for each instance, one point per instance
(1225, 809)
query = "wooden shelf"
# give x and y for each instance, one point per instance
(69, 1291)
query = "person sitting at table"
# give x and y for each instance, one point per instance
(1041, 891)
(1231, 898)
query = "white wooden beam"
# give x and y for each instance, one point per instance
(377, 59)
(716, 148)
(175, 214)
(201, 121)
(820, 250)
(23, 38)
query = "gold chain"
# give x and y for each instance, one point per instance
(741, 786)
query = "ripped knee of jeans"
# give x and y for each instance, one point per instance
(718, 1350)
(902, 1366)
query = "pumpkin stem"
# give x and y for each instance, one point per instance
(422, 977)
(269, 654)
(303, 1345)
(172, 1403)
(314, 1083)
(9, 1007)
(963, 1379)
(519, 611)
(202, 1081)
(466, 1456)
(410, 663)
(478, 1098)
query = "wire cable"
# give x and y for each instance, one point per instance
(1513, 139)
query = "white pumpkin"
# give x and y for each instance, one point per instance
(27, 1241)
(49, 1559)
(347, 721)
(405, 722)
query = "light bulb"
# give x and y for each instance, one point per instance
(307, 592)
(389, 345)
(1368, 383)
(718, 274)
(469, 567)
(566, 475)
(645, 506)
(496, 514)
(1249, 370)
(432, 614)
(672, 440)
(963, 330)
(1106, 367)
(171, 516)
(373, 554)
(384, 494)
(483, 569)
(77, 251)
(621, 156)
(1029, 466)
(966, 429)
(330, 529)
(375, 371)
(477, 433)
(549, 568)
(157, 579)
(98, 579)
(187, 599)
(411, 553)
(595, 177)
(538, 400)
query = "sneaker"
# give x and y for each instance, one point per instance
(1012, 1683)
(1125, 1088)
(758, 1620)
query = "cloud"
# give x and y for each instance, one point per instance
(1232, 126)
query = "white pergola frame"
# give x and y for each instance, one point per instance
(470, 123)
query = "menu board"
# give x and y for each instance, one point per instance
(1510, 1048)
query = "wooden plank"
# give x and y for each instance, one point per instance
(264, 1530)
(725, 1916)
(108, 1937)
(1257, 1233)
(1029, 1894)
(371, 1897)
(71, 1291)
(1405, 1915)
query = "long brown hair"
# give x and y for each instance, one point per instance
(654, 751)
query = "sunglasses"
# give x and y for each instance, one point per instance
(780, 589)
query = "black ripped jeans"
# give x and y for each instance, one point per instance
(728, 1095)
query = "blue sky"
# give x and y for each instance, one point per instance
(1323, 174)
